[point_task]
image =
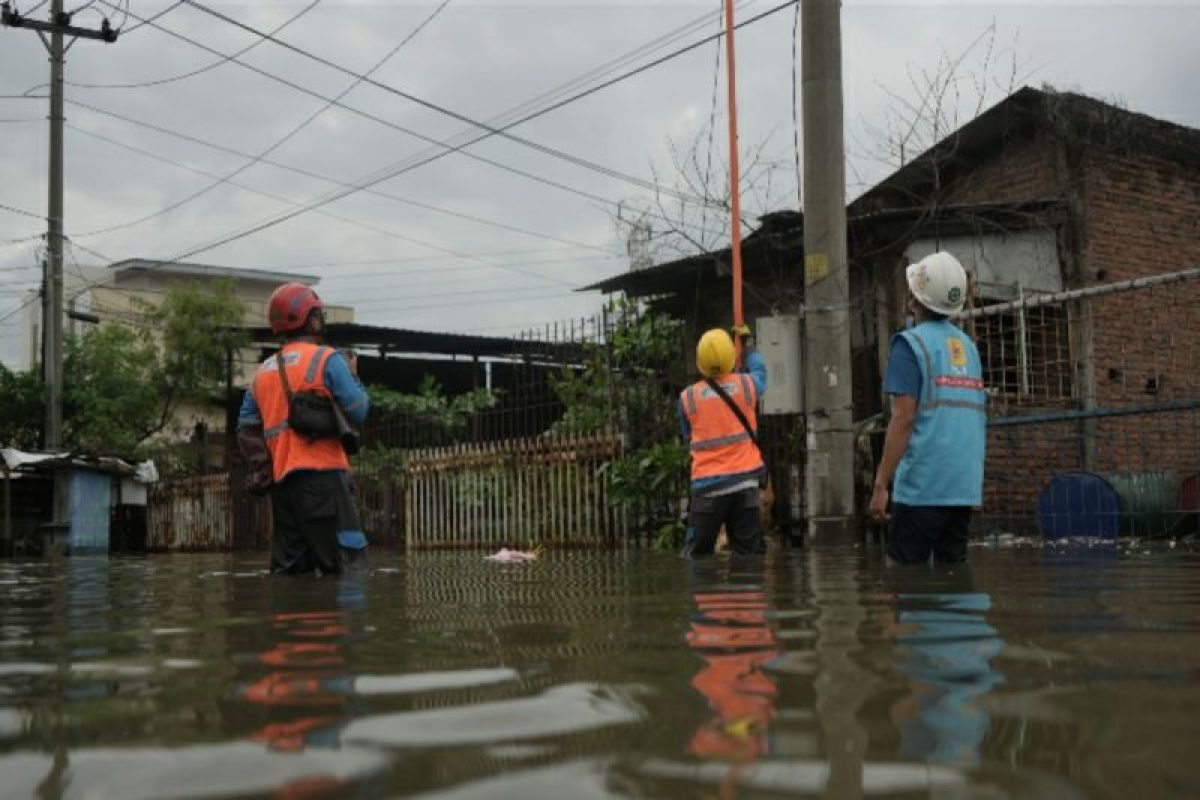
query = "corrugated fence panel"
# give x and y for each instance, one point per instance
(547, 490)
(191, 515)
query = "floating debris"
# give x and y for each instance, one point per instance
(506, 556)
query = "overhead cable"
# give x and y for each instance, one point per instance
(379, 178)
(440, 109)
(278, 198)
(185, 75)
(253, 160)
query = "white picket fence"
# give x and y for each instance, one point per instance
(544, 490)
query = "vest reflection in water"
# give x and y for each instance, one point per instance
(731, 635)
(945, 648)
(309, 688)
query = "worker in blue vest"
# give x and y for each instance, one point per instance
(933, 453)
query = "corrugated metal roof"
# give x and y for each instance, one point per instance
(402, 340)
(142, 265)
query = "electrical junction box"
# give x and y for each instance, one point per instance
(778, 339)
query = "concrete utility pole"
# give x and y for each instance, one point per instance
(52, 293)
(828, 400)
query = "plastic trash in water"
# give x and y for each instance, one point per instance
(506, 556)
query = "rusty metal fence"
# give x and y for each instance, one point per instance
(207, 513)
(1094, 409)
(191, 515)
(549, 490)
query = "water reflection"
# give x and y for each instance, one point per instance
(603, 675)
(944, 648)
(731, 635)
(310, 688)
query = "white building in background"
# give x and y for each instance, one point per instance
(117, 294)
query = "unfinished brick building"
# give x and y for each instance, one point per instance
(1044, 195)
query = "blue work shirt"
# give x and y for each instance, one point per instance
(350, 396)
(903, 375)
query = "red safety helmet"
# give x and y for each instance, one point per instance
(290, 305)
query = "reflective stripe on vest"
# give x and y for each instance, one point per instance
(305, 365)
(943, 464)
(719, 443)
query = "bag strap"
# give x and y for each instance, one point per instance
(737, 412)
(287, 387)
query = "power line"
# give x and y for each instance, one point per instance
(298, 87)
(424, 268)
(440, 109)
(557, 105)
(358, 186)
(21, 307)
(391, 173)
(21, 211)
(523, 297)
(712, 121)
(611, 66)
(278, 198)
(23, 240)
(328, 103)
(159, 15)
(82, 8)
(185, 75)
(279, 142)
(408, 259)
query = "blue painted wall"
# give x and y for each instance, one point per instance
(90, 502)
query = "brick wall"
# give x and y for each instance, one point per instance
(1143, 218)
(1023, 170)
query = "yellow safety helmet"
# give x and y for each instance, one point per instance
(714, 353)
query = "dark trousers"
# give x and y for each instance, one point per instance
(918, 532)
(738, 512)
(309, 508)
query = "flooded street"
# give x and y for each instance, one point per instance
(1035, 673)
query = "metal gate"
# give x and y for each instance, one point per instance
(543, 490)
(208, 513)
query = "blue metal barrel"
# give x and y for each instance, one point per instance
(1079, 504)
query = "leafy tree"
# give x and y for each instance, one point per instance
(23, 400)
(628, 383)
(431, 406)
(195, 329)
(112, 399)
(631, 384)
(123, 384)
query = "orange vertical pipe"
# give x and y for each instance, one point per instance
(735, 231)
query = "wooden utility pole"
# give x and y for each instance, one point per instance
(58, 26)
(828, 398)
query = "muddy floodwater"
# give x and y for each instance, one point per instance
(1038, 672)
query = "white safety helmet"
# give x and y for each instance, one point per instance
(938, 282)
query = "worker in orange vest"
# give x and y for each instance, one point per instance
(719, 420)
(288, 429)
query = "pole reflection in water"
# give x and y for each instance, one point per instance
(731, 635)
(945, 649)
(310, 688)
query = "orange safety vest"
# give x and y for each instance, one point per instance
(720, 444)
(305, 365)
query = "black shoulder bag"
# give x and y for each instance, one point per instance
(316, 416)
(737, 412)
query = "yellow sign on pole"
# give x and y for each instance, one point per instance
(816, 267)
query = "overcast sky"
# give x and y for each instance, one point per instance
(530, 244)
